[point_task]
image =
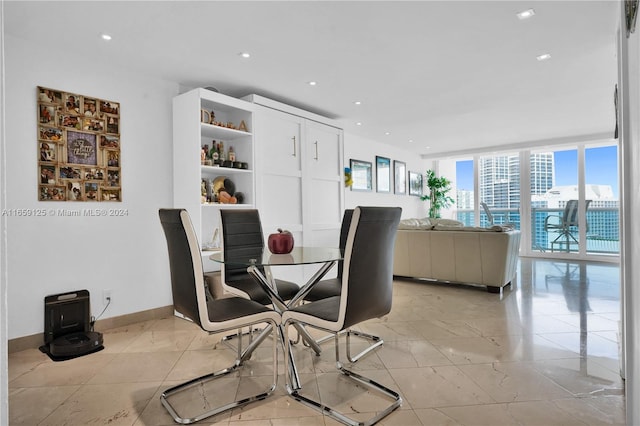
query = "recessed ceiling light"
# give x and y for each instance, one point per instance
(387, 133)
(312, 83)
(543, 57)
(358, 124)
(427, 147)
(526, 14)
(105, 37)
(245, 54)
(357, 102)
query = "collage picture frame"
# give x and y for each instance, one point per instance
(78, 147)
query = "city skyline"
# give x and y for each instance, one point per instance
(601, 165)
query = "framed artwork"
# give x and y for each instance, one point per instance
(383, 174)
(415, 184)
(400, 177)
(361, 175)
(78, 147)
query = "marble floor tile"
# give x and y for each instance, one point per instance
(544, 352)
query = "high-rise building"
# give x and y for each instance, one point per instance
(500, 178)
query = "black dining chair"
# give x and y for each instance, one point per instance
(189, 300)
(242, 235)
(332, 286)
(366, 293)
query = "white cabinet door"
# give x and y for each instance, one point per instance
(323, 184)
(323, 152)
(279, 135)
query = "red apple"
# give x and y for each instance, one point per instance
(281, 242)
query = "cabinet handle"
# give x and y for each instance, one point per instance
(294, 146)
(316, 144)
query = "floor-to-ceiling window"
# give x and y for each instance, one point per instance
(603, 214)
(564, 199)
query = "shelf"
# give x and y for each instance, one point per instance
(228, 206)
(220, 171)
(224, 133)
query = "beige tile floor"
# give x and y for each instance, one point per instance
(545, 353)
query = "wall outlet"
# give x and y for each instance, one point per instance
(106, 297)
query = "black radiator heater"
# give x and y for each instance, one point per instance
(67, 326)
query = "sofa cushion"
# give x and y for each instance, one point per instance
(450, 223)
(424, 223)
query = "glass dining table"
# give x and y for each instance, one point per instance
(261, 259)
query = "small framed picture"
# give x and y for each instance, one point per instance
(47, 175)
(111, 195)
(52, 193)
(90, 107)
(93, 125)
(71, 121)
(415, 184)
(50, 134)
(47, 114)
(113, 177)
(72, 103)
(48, 151)
(74, 191)
(361, 175)
(400, 177)
(91, 191)
(383, 174)
(93, 174)
(113, 125)
(109, 107)
(113, 159)
(69, 172)
(49, 96)
(109, 141)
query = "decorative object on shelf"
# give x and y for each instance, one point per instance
(383, 174)
(361, 175)
(209, 117)
(214, 244)
(438, 197)
(78, 147)
(400, 177)
(348, 179)
(280, 242)
(223, 190)
(631, 15)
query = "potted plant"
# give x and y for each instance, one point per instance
(438, 197)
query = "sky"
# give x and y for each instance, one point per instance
(601, 168)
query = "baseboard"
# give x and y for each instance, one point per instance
(35, 341)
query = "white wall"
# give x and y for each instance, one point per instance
(50, 255)
(358, 148)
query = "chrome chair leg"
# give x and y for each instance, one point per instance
(294, 392)
(200, 381)
(377, 341)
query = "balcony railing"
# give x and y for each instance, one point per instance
(602, 237)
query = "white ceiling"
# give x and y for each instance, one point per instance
(450, 75)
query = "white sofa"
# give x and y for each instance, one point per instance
(453, 253)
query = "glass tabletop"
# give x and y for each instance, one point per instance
(298, 256)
